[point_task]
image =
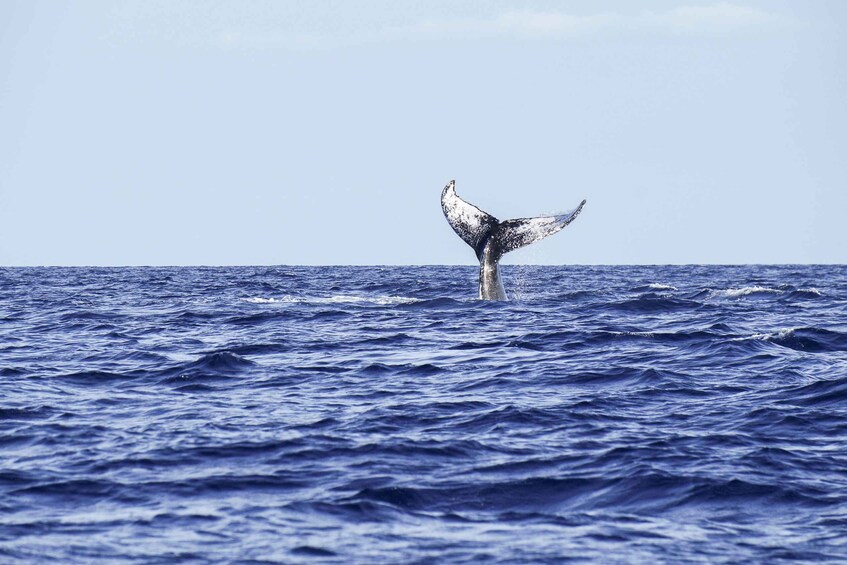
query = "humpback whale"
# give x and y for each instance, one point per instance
(491, 239)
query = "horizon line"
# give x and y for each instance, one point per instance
(363, 265)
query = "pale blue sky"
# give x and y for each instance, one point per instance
(269, 132)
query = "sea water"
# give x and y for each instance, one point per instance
(384, 414)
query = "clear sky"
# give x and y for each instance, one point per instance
(166, 132)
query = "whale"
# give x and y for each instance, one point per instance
(491, 238)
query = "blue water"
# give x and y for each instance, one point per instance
(288, 414)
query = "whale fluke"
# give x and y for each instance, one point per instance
(491, 239)
(469, 222)
(514, 234)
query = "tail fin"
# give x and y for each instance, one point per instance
(470, 223)
(478, 228)
(514, 234)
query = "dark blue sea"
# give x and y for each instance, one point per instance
(385, 415)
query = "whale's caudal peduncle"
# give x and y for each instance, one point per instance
(491, 239)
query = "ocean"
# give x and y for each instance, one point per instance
(385, 415)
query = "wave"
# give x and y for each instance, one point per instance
(380, 300)
(621, 375)
(191, 317)
(94, 377)
(385, 340)
(811, 340)
(263, 317)
(312, 551)
(209, 367)
(820, 393)
(218, 362)
(465, 345)
(421, 370)
(86, 315)
(258, 348)
(22, 414)
(639, 491)
(746, 291)
(435, 303)
(582, 295)
(529, 493)
(260, 300)
(557, 340)
(653, 287)
(652, 304)
(74, 490)
(783, 292)
(805, 293)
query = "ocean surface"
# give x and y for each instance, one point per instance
(384, 415)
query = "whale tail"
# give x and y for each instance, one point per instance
(491, 237)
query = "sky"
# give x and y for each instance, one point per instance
(172, 132)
